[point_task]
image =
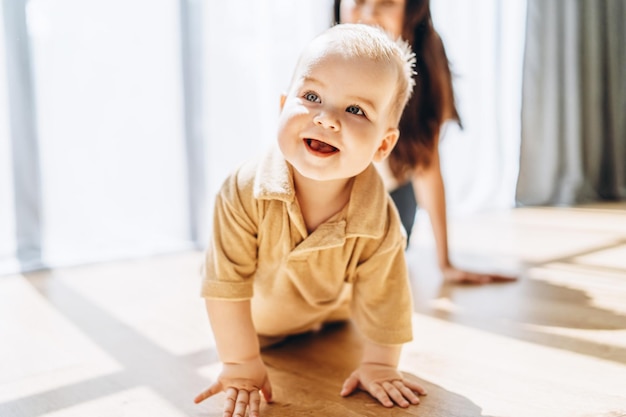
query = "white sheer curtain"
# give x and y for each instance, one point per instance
(249, 60)
(108, 99)
(7, 218)
(484, 41)
(109, 105)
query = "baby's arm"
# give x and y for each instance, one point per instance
(243, 373)
(378, 375)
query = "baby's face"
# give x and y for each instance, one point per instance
(335, 120)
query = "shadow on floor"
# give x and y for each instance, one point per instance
(530, 309)
(307, 373)
(144, 364)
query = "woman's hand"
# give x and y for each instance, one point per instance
(242, 383)
(384, 383)
(458, 276)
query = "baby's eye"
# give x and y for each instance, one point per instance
(312, 97)
(355, 110)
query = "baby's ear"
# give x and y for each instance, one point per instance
(387, 144)
(283, 97)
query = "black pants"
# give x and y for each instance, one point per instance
(404, 198)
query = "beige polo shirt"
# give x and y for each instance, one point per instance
(351, 266)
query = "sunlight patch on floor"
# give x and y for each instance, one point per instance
(612, 258)
(606, 289)
(140, 401)
(41, 349)
(513, 366)
(157, 303)
(608, 338)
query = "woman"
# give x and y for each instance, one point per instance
(413, 167)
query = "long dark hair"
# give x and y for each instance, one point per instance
(433, 97)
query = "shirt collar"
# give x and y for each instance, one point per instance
(368, 200)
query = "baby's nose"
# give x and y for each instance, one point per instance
(327, 120)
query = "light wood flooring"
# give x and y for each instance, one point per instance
(131, 338)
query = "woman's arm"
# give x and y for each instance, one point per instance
(430, 193)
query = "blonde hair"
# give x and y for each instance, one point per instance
(372, 42)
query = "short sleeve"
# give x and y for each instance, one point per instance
(381, 301)
(231, 257)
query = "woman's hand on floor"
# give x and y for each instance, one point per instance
(458, 276)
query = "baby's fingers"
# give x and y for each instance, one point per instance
(266, 390)
(407, 393)
(237, 402)
(398, 392)
(413, 386)
(209, 392)
(395, 393)
(255, 403)
(349, 385)
(377, 391)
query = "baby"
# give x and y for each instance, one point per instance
(307, 234)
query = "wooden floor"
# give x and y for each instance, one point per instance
(131, 338)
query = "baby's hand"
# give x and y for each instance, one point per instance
(384, 383)
(241, 382)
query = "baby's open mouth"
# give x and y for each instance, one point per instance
(320, 147)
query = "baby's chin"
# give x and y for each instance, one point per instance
(318, 174)
(322, 174)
